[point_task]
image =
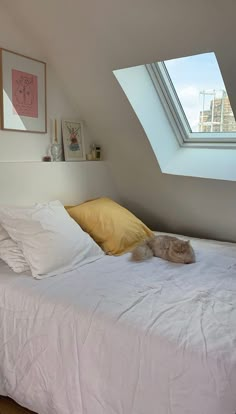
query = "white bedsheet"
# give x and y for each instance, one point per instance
(117, 337)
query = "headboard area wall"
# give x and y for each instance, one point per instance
(70, 182)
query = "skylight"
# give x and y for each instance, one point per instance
(178, 149)
(195, 92)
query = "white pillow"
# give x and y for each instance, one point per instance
(3, 234)
(11, 253)
(51, 241)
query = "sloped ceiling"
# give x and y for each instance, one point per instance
(84, 40)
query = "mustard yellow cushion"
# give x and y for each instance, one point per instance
(112, 226)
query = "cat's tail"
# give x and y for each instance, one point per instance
(142, 252)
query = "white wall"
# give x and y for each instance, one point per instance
(70, 182)
(22, 146)
(23, 178)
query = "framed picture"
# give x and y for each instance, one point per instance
(22, 93)
(73, 140)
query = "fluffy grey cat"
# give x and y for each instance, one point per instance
(167, 247)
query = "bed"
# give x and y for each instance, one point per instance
(118, 337)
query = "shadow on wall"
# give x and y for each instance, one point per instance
(168, 224)
(154, 222)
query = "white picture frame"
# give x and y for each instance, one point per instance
(73, 140)
(22, 93)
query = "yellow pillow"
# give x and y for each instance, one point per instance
(112, 226)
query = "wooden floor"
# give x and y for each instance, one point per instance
(8, 406)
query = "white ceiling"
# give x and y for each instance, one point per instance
(84, 40)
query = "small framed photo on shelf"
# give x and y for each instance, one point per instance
(22, 93)
(73, 140)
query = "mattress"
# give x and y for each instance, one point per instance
(117, 337)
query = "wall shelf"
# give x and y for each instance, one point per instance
(70, 182)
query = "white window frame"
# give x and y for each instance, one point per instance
(170, 101)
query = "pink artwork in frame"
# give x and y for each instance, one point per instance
(24, 94)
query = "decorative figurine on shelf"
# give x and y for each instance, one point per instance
(95, 153)
(98, 152)
(55, 147)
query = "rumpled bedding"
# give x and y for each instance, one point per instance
(118, 337)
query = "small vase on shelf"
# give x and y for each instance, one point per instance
(55, 148)
(55, 151)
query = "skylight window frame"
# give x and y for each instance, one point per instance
(176, 115)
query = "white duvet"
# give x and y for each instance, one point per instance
(117, 337)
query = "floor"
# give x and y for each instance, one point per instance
(7, 406)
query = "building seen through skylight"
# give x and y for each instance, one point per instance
(219, 116)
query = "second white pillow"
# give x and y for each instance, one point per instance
(11, 253)
(51, 241)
